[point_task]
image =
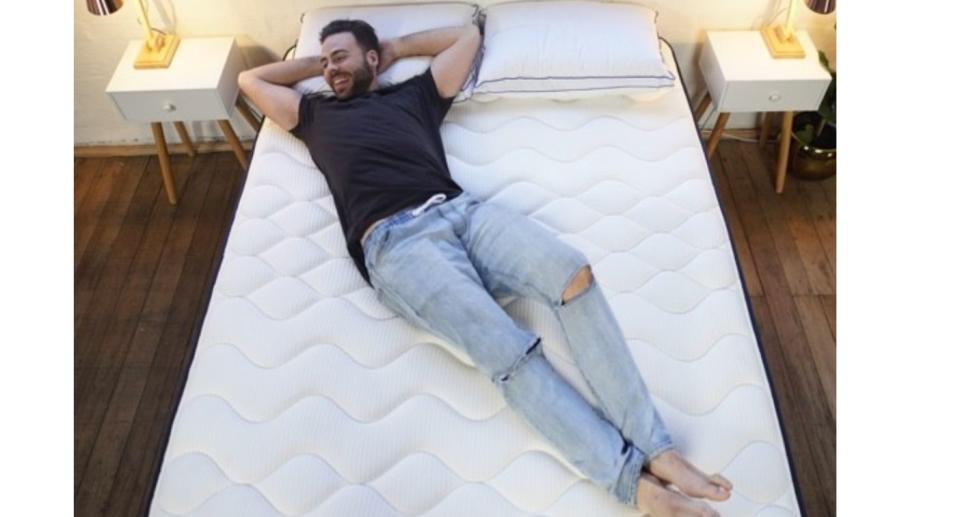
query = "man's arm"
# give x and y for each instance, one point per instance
(454, 49)
(269, 88)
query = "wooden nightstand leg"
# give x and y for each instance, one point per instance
(185, 138)
(161, 143)
(785, 132)
(234, 142)
(764, 128)
(701, 108)
(717, 133)
(247, 114)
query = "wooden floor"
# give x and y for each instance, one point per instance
(143, 271)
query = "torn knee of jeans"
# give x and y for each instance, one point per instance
(581, 281)
(505, 376)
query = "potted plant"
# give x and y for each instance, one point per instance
(813, 150)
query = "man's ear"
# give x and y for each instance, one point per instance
(373, 59)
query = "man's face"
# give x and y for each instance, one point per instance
(346, 67)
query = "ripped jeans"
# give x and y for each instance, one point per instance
(441, 267)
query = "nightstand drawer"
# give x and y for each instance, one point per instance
(771, 96)
(182, 105)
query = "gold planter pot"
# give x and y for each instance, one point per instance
(811, 163)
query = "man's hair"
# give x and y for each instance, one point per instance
(362, 31)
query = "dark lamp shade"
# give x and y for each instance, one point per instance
(104, 7)
(821, 6)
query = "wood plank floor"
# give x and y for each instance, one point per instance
(143, 271)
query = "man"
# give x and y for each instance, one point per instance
(439, 256)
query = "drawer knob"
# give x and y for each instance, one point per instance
(169, 107)
(774, 96)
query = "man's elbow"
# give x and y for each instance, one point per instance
(472, 31)
(245, 81)
(473, 36)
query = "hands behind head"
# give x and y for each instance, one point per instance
(387, 56)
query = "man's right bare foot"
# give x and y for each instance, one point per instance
(663, 502)
(672, 468)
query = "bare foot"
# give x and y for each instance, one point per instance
(663, 502)
(672, 468)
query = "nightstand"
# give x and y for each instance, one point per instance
(742, 77)
(200, 84)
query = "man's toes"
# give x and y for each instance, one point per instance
(718, 493)
(713, 489)
(703, 510)
(722, 481)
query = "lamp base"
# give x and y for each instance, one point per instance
(780, 45)
(159, 57)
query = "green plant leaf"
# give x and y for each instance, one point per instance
(806, 133)
(828, 106)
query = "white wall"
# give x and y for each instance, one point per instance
(266, 29)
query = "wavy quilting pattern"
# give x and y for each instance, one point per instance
(211, 412)
(359, 450)
(599, 134)
(570, 179)
(328, 371)
(306, 396)
(487, 125)
(526, 468)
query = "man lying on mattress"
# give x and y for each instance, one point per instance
(439, 256)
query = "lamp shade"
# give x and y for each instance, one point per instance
(822, 6)
(104, 7)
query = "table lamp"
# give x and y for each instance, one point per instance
(781, 40)
(158, 48)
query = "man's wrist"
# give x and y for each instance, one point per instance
(314, 64)
(428, 42)
(392, 48)
(288, 73)
(311, 66)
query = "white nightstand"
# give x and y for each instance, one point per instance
(741, 76)
(200, 84)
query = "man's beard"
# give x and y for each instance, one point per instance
(362, 78)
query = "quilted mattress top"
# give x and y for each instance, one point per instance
(306, 396)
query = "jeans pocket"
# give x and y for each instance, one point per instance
(382, 292)
(373, 245)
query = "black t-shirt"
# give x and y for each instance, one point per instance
(380, 151)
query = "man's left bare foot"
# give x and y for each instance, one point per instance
(673, 468)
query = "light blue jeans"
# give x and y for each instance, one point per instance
(442, 266)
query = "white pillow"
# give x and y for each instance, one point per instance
(389, 21)
(570, 50)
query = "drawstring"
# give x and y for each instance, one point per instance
(434, 200)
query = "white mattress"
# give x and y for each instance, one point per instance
(307, 396)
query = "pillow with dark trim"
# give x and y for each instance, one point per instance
(570, 50)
